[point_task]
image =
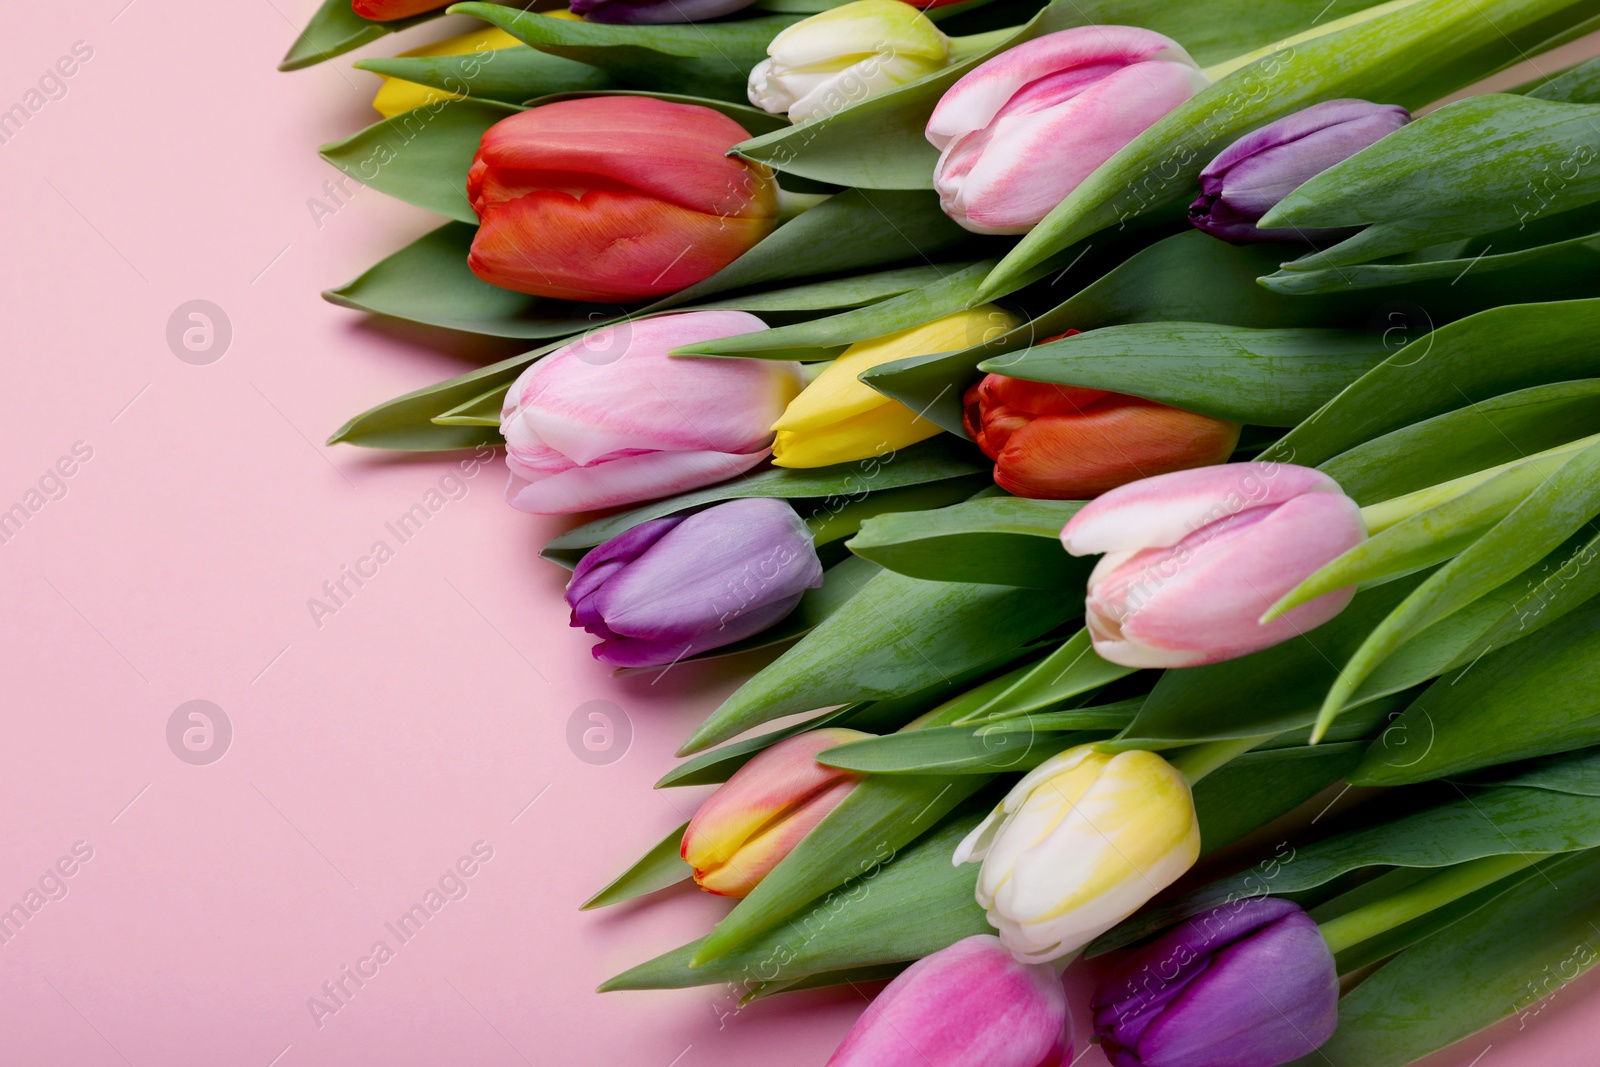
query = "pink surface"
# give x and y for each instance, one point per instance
(370, 752)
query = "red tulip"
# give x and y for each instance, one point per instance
(1063, 442)
(384, 10)
(614, 198)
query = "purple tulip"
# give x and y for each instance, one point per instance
(969, 1005)
(652, 12)
(1259, 169)
(1248, 984)
(672, 587)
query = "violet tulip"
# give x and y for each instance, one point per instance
(681, 585)
(1249, 984)
(1193, 559)
(969, 1005)
(612, 418)
(764, 810)
(1020, 131)
(1254, 173)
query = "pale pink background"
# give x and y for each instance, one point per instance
(368, 753)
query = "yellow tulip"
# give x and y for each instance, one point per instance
(837, 418)
(397, 96)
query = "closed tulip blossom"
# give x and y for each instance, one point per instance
(681, 585)
(838, 418)
(1022, 130)
(1248, 984)
(1081, 843)
(1193, 559)
(968, 1005)
(613, 419)
(759, 815)
(1254, 173)
(387, 10)
(845, 55)
(655, 12)
(614, 198)
(1064, 442)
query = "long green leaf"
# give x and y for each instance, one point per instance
(335, 29)
(994, 540)
(1257, 787)
(510, 75)
(658, 868)
(1016, 745)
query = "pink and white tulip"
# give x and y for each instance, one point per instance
(613, 419)
(1021, 131)
(1193, 559)
(969, 1005)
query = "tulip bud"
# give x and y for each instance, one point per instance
(969, 1005)
(762, 812)
(656, 12)
(838, 418)
(1248, 984)
(674, 587)
(1195, 558)
(1063, 442)
(388, 10)
(1079, 845)
(1255, 172)
(1022, 130)
(614, 198)
(396, 96)
(845, 55)
(613, 419)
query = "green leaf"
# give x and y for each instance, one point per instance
(1538, 696)
(706, 59)
(911, 906)
(994, 540)
(1578, 84)
(422, 156)
(1488, 822)
(1568, 499)
(1072, 669)
(1408, 56)
(897, 634)
(658, 868)
(1458, 171)
(481, 410)
(880, 816)
(832, 488)
(1018, 744)
(335, 29)
(1263, 377)
(1500, 960)
(509, 75)
(1568, 772)
(855, 291)
(1253, 789)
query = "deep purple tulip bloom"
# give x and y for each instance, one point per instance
(672, 587)
(1248, 984)
(642, 12)
(1259, 169)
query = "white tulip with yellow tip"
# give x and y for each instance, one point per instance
(837, 418)
(1078, 845)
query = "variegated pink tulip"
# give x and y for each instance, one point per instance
(1019, 132)
(969, 1005)
(613, 418)
(763, 811)
(1193, 559)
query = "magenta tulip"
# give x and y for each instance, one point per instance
(969, 1005)
(613, 419)
(1193, 559)
(1019, 132)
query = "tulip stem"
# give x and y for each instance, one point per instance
(1431, 893)
(1196, 762)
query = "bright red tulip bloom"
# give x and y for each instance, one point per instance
(614, 198)
(1063, 442)
(385, 10)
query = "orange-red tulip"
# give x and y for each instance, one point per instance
(1062, 442)
(614, 198)
(384, 10)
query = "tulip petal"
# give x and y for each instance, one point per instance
(621, 650)
(623, 481)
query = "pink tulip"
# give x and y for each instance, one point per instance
(969, 1005)
(613, 419)
(1018, 133)
(1193, 559)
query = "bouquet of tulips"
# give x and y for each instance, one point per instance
(1120, 424)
